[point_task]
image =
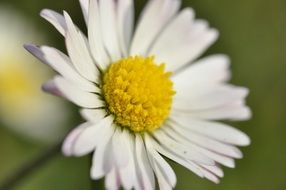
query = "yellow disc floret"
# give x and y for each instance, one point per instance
(138, 93)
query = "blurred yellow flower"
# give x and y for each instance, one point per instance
(24, 108)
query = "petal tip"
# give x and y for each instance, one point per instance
(44, 12)
(31, 47)
(247, 141)
(35, 50)
(50, 87)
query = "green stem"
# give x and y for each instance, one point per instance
(28, 168)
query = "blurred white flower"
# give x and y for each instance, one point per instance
(144, 95)
(24, 108)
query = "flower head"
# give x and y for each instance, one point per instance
(143, 93)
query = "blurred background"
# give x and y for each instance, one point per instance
(252, 33)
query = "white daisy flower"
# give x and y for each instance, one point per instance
(143, 94)
(23, 108)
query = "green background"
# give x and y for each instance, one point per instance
(252, 33)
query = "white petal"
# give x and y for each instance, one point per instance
(221, 159)
(165, 169)
(235, 112)
(165, 47)
(84, 7)
(165, 174)
(109, 28)
(90, 137)
(61, 64)
(177, 158)
(125, 22)
(208, 143)
(209, 175)
(190, 42)
(224, 160)
(128, 174)
(163, 184)
(162, 181)
(118, 148)
(93, 115)
(79, 52)
(145, 171)
(153, 19)
(103, 161)
(56, 19)
(102, 158)
(214, 130)
(181, 149)
(231, 112)
(95, 36)
(207, 97)
(211, 69)
(112, 181)
(215, 170)
(205, 172)
(51, 87)
(77, 96)
(72, 137)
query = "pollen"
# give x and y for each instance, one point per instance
(138, 92)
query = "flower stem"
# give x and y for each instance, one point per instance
(11, 181)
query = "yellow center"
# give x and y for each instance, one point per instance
(138, 93)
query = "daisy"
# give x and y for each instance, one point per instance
(143, 94)
(23, 108)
